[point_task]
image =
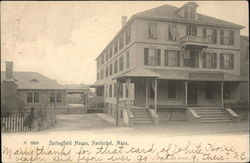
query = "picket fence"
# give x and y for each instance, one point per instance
(15, 123)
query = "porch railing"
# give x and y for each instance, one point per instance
(168, 103)
(235, 104)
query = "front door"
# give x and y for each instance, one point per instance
(192, 94)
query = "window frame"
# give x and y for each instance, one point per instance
(157, 57)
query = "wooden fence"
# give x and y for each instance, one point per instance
(16, 123)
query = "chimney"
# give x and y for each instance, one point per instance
(9, 70)
(124, 20)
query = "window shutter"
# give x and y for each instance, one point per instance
(158, 57)
(215, 60)
(214, 36)
(166, 57)
(221, 37)
(146, 56)
(178, 58)
(204, 60)
(221, 60)
(231, 37)
(232, 61)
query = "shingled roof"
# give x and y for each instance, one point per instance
(33, 80)
(170, 13)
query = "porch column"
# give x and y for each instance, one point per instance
(117, 100)
(147, 94)
(66, 100)
(186, 102)
(222, 95)
(155, 98)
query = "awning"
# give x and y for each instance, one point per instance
(96, 85)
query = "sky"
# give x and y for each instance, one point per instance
(61, 39)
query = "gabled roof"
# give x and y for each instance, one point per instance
(170, 13)
(32, 80)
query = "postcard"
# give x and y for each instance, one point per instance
(124, 81)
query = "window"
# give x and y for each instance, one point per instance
(115, 90)
(36, 97)
(110, 51)
(127, 36)
(209, 60)
(172, 32)
(116, 47)
(110, 69)
(186, 12)
(110, 90)
(152, 57)
(52, 97)
(97, 76)
(171, 89)
(191, 30)
(29, 97)
(121, 42)
(210, 34)
(121, 90)
(107, 55)
(97, 63)
(226, 91)
(152, 30)
(102, 59)
(209, 90)
(186, 59)
(32, 97)
(58, 97)
(101, 74)
(121, 63)
(192, 12)
(115, 66)
(172, 57)
(107, 71)
(226, 61)
(226, 37)
(127, 60)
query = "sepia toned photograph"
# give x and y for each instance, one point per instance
(124, 81)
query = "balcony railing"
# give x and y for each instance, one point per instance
(195, 39)
(172, 104)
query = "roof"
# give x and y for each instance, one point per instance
(32, 80)
(76, 86)
(171, 74)
(139, 72)
(170, 12)
(245, 37)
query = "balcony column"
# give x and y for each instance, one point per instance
(186, 102)
(66, 100)
(147, 101)
(222, 95)
(155, 90)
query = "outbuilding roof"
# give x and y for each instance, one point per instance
(33, 80)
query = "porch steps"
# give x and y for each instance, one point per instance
(212, 114)
(142, 115)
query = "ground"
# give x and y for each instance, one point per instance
(99, 127)
(102, 123)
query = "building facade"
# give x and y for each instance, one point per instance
(20, 91)
(170, 63)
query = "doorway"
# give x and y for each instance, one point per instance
(192, 94)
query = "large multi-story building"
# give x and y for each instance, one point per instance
(171, 63)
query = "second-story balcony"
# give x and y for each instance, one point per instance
(198, 41)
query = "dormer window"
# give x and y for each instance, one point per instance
(188, 11)
(34, 80)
